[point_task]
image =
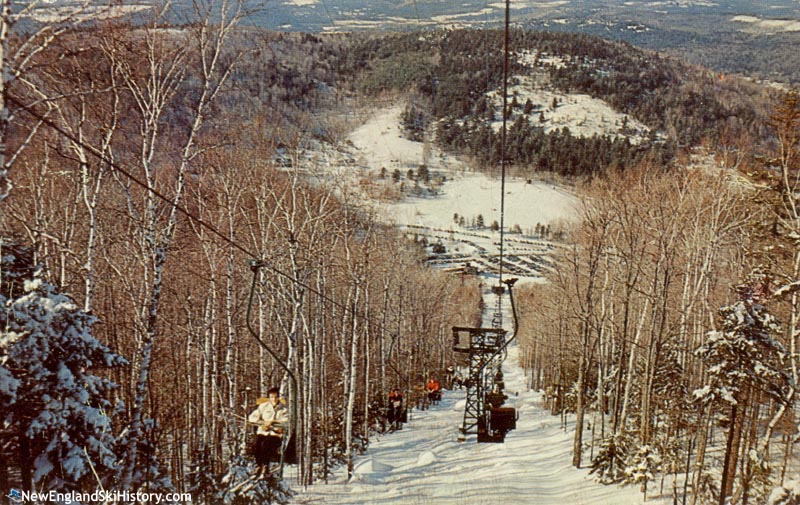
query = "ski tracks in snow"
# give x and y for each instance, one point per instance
(425, 464)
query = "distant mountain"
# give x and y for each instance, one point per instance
(604, 16)
(754, 38)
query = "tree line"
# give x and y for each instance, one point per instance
(452, 71)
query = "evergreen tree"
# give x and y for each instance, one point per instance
(480, 107)
(528, 107)
(490, 111)
(414, 122)
(642, 467)
(202, 479)
(742, 359)
(55, 410)
(423, 173)
(742, 354)
(239, 487)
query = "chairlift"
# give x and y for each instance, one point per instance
(288, 448)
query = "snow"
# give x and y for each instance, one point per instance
(424, 463)
(470, 194)
(379, 143)
(759, 25)
(526, 4)
(44, 364)
(83, 12)
(581, 114)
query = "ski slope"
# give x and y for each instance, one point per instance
(425, 464)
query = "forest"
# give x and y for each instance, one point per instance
(139, 183)
(142, 183)
(452, 71)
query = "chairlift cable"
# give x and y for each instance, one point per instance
(328, 13)
(188, 214)
(255, 266)
(503, 137)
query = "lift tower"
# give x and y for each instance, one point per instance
(486, 349)
(482, 345)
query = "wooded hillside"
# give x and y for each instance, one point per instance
(150, 165)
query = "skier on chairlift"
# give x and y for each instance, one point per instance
(434, 390)
(271, 418)
(395, 412)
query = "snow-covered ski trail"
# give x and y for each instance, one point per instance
(425, 464)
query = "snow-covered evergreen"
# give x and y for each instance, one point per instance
(241, 486)
(54, 421)
(742, 353)
(744, 367)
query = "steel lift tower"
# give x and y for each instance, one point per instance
(484, 414)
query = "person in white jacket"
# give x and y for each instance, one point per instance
(271, 417)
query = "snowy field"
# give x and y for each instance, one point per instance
(767, 26)
(379, 143)
(581, 114)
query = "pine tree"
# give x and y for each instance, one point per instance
(528, 107)
(239, 487)
(423, 173)
(55, 410)
(742, 359)
(642, 467)
(202, 479)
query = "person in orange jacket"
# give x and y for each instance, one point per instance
(434, 390)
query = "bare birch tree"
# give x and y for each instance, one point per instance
(152, 69)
